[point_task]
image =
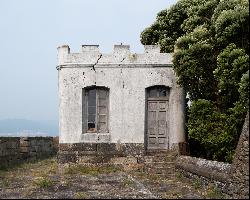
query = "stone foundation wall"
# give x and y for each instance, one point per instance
(232, 179)
(100, 153)
(111, 153)
(16, 150)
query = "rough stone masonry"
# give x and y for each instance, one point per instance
(17, 150)
(121, 103)
(232, 179)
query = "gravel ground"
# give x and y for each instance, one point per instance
(43, 180)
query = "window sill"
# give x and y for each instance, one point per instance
(96, 137)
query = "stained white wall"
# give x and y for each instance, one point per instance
(127, 76)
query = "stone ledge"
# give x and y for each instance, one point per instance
(96, 137)
(209, 169)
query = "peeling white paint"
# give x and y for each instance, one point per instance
(127, 76)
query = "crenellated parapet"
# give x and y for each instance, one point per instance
(121, 56)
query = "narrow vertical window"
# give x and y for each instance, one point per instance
(97, 109)
(92, 110)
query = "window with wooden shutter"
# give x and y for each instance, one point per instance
(97, 101)
(102, 110)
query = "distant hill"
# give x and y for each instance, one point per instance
(23, 127)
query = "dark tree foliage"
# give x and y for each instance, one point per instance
(211, 59)
(167, 27)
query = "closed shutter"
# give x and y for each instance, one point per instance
(102, 110)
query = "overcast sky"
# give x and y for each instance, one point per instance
(31, 30)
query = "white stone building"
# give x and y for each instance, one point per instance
(121, 100)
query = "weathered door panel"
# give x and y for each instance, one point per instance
(152, 124)
(157, 135)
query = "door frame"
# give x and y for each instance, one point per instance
(146, 116)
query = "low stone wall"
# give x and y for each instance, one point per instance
(232, 179)
(16, 150)
(205, 170)
(99, 153)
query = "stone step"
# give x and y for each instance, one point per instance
(161, 175)
(164, 168)
(163, 171)
(161, 153)
(158, 165)
(165, 158)
(161, 162)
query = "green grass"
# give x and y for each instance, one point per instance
(81, 195)
(197, 183)
(4, 183)
(214, 193)
(91, 170)
(3, 169)
(128, 182)
(43, 182)
(178, 175)
(146, 176)
(38, 171)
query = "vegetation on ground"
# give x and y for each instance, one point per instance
(45, 179)
(91, 170)
(43, 182)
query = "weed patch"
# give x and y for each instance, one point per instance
(128, 182)
(178, 175)
(81, 195)
(214, 193)
(197, 183)
(91, 170)
(4, 183)
(43, 182)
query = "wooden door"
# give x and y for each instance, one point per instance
(157, 119)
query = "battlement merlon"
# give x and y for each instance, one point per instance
(121, 56)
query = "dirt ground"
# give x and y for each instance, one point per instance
(42, 179)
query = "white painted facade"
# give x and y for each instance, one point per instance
(127, 75)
